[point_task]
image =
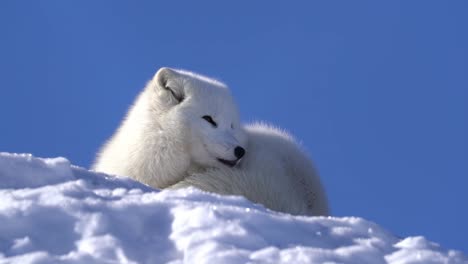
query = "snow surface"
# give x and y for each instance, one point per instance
(52, 212)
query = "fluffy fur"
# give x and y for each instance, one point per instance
(183, 130)
(275, 172)
(164, 137)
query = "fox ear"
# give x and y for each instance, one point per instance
(165, 80)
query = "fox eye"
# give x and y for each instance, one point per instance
(210, 120)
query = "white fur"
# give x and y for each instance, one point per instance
(164, 142)
(275, 172)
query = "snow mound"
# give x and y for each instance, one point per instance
(53, 212)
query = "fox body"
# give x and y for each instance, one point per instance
(184, 130)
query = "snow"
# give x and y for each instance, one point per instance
(53, 212)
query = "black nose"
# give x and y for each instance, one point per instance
(239, 152)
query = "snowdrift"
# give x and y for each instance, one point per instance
(53, 212)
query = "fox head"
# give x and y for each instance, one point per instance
(203, 114)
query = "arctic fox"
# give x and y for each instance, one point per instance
(184, 130)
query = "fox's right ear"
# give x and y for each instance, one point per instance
(165, 80)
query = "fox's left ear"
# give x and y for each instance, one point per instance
(165, 80)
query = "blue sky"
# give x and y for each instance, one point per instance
(376, 91)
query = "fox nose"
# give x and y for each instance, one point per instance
(239, 152)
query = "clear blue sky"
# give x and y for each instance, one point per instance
(376, 91)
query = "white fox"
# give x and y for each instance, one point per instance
(184, 130)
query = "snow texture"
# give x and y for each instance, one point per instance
(53, 212)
